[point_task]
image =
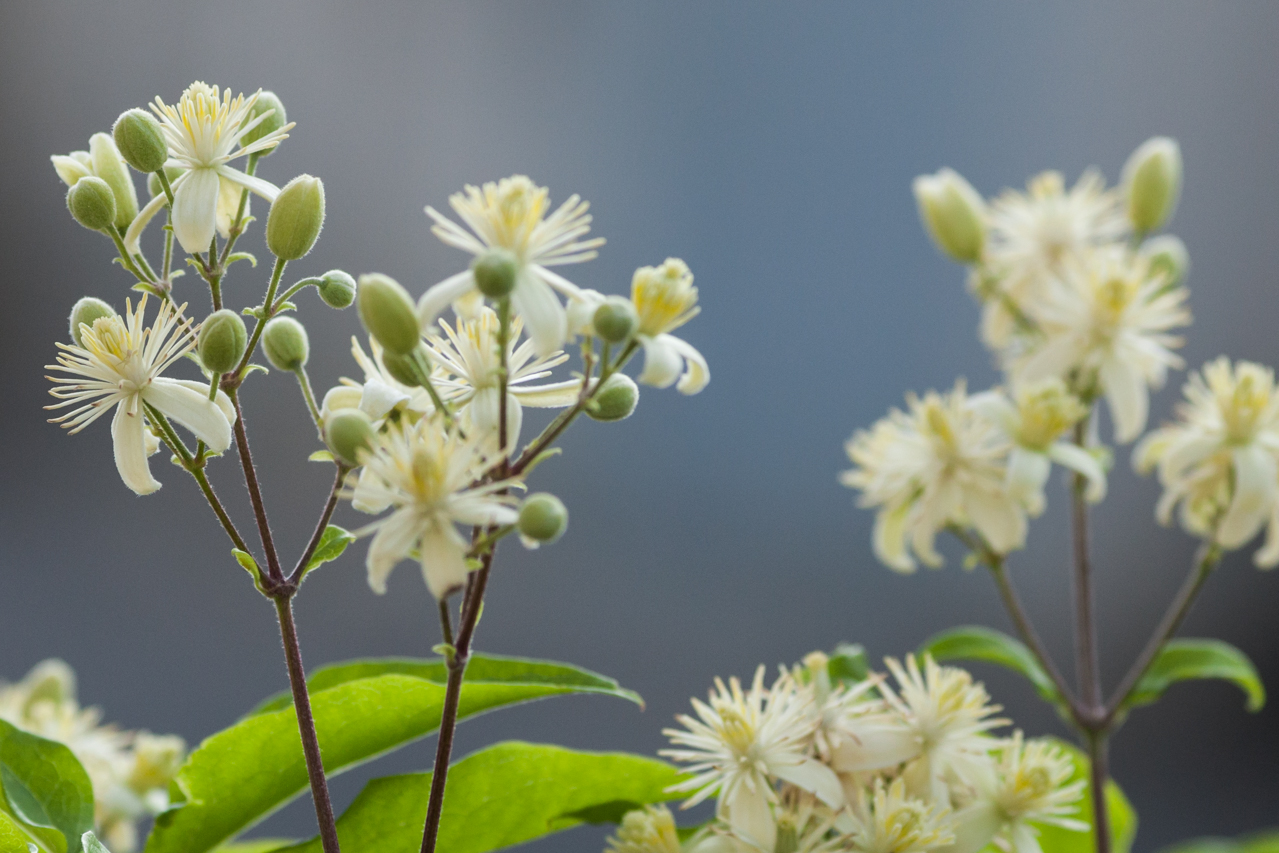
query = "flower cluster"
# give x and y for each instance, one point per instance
(905, 764)
(130, 771)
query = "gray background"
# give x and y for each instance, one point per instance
(772, 147)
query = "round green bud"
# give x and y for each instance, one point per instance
(495, 272)
(92, 203)
(154, 187)
(388, 313)
(347, 432)
(286, 344)
(403, 368)
(296, 217)
(276, 120)
(138, 136)
(1168, 257)
(110, 167)
(1152, 181)
(953, 214)
(543, 517)
(84, 312)
(337, 289)
(222, 341)
(615, 399)
(615, 320)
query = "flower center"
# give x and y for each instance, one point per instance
(1046, 412)
(515, 208)
(1242, 410)
(664, 297)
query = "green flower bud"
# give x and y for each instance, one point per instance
(953, 214)
(615, 320)
(286, 343)
(138, 137)
(495, 272)
(84, 312)
(154, 187)
(270, 124)
(388, 313)
(296, 217)
(222, 341)
(1152, 181)
(543, 517)
(92, 203)
(110, 167)
(403, 368)
(337, 289)
(1167, 256)
(615, 399)
(348, 431)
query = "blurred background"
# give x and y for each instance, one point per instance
(771, 146)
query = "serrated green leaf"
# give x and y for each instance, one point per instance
(976, 642)
(553, 786)
(1123, 819)
(362, 710)
(1185, 659)
(333, 542)
(320, 456)
(45, 785)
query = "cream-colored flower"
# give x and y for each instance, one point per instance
(647, 830)
(1220, 460)
(204, 132)
(120, 365)
(665, 299)
(741, 743)
(380, 392)
(1107, 320)
(886, 819)
(511, 214)
(938, 464)
(426, 474)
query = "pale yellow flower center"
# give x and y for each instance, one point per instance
(1046, 412)
(109, 339)
(940, 429)
(1113, 296)
(427, 474)
(514, 207)
(664, 297)
(1242, 408)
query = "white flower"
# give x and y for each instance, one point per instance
(742, 742)
(511, 214)
(426, 475)
(647, 830)
(665, 299)
(470, 367)
(938, 464)
(1107, 318)
(380, 392)
(1220, 461)
(1033, 421)
(888, 820)
(120, 365)
(204, 132)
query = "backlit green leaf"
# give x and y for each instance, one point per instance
(974, 642)
(1181, 660)
(45, 785)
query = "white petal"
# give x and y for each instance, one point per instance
(746, 809)
(1025, 838)
(889, 539)
(443, 560)
(1254, 497)
(483, 414)
(133, 236)
(581, 312)
(975, 826)
(370, 494)
(1268, 556)
(223, 401)
(997, 518)
(377, 399)
(1128, 398)
(70, 169)
(255, 185)
(442, 295)
(392, 543)
(1027, 473)
(195, 210)
(131, 450)
(697, 375)
(553, 396)
(873, 744)
(481, 511)
(1080, 461)
(662, 361)
(228, 206)
(811, 775)
(192, 409)
(544, 316)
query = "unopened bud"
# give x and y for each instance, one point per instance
(141, 142)
(1168, 257)
(615, 400)
(337, 289)
(953, 214)
(348, 431)
(286, 343)
(296, 217)
(72, 167)
(615, 320)
(388, 313)
(270, 124)
(495, 272)
(543, 517)
(92, 203)
(404, 369)
(110, 167)
(1152, 181)
(154, 187)
(222, 341)
(84, 312)
(340, 397)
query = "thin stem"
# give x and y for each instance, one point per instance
(306, 726)
(301, 285)
(168, 251)
(176, 444)
(267, 310)
(446, 621)
(304, 382)
(164, 182)
(1099, 770)
(296, 577)
(1087, 666)
(255, 493)
(203, 480)
(125, 259)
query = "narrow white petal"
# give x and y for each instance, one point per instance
(975, 827)
(1025, 838)
(377, 399)
(889, 539)
(370, 494)
(1077, 459)
(223, 401)
(697, 374)
(392, 543)
(133, 236)
(192, 409)
(442, 295)
(746, 809)
(662, 362)
(127, 434)
(1254, 497)
(443, 560)
(811, 775)
(1027, 473)
(255, 185)
(195, 210)
(1128, 398)
(874, 745)
(998, 519)
(544, 316)
(553, 396)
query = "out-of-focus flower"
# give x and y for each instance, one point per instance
(665, 299)
(888, 820)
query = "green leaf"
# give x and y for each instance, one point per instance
(320, 456)
(1182, 660)
(1123, 820)
(975, 642)
(555, 789)
(1265, 842)
(333, 542)
(848, 664)
(14, 837)
(362, 709)
(250, 565)
(242, 256)
(257, 845)
(92, 844)
(45, 785)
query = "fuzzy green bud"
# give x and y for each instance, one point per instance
(337, 289)
(615, 320)
(1152, 182)
(296, 217)
(141, 143)
(388, 313)
(405, 368)
(84, 312)
(615, 400)
(953, 214)
(92, 203)
(543, 517)
(110, 167)
(222, 341)
(276, 120)
(1168, 257)
(154, 187)
(495, 272)
(348, 431)
(286, 343)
